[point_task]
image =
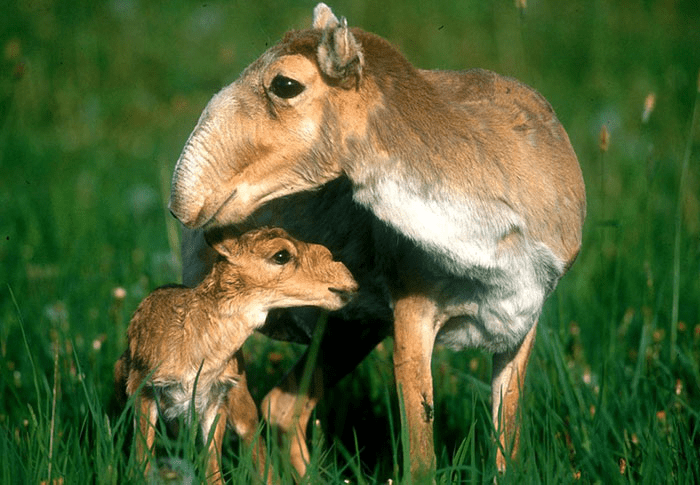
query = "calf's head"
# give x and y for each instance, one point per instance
(270, 267)
(277, 129)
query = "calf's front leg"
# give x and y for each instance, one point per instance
(507, 382)
(216, 417)
(145, 421)
(242, 413)
(415, 328)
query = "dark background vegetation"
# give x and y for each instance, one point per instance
(96, 102)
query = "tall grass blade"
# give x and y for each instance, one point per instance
(406, 478)
(35, 372)
(392, 433)
(679, 227)
(311, 356)
(52, 427)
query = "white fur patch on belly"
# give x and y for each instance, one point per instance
(463, 236)
(462, 233)
(177, 394)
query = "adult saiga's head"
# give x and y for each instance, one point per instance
(281, 128)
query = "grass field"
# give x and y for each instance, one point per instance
(96, 102)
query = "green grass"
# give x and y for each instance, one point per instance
(96, 102)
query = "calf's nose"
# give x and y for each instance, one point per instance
(345, 294)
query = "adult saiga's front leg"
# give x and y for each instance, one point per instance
(507, 382)
(415, 327)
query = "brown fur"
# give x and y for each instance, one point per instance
(465, 198)
(179, 335)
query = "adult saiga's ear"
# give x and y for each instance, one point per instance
(324, 18)
(340, 56)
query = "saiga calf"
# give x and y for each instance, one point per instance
(455, 198)
(186, 342)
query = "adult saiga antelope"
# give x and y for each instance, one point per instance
(455, 198)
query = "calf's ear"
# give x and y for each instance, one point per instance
(340, 56)
(223, 241)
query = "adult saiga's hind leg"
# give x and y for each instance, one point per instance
(288, 407)
(507, 382)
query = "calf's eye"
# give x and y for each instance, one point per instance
(281, 257)
(286, 87)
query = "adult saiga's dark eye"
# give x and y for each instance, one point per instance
(286, 87)
(281, 257)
